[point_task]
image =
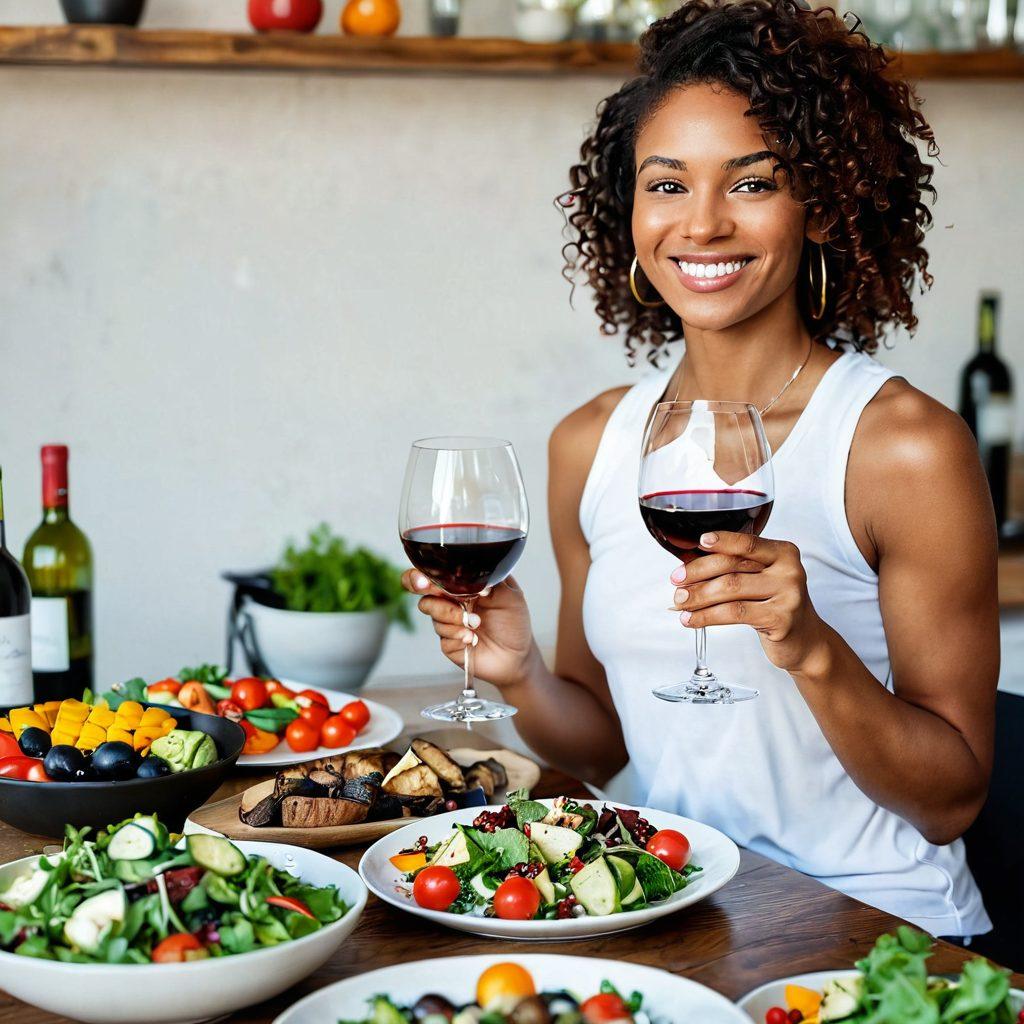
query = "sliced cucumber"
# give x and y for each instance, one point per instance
(216, 854)
(481, 888)
(634, 895)
(596, 889)
(625, 876)
(132, 842)
(159, 832)
(25, 889)
(93, 918)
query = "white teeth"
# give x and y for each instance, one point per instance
(711, 270)
(721, 269)
(702, 270)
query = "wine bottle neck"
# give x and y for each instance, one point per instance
(987, 323)
(55, 481)
(56, 513)
(3, 529)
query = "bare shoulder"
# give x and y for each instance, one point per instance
(575, 439)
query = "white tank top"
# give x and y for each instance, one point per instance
(761, 771)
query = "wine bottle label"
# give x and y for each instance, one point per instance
(15, 660)
(995, 420)
(51, 646)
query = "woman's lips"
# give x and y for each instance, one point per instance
(711, 284)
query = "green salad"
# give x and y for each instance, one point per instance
(131, 897)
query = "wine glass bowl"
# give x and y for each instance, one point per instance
(705, 467)
(463, 523)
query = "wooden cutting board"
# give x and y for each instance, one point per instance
(463, 747)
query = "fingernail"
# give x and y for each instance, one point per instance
(473, 621)
(679, 575)
(468, 637)
(476, 639)
(708, 539)
(681, 596)
(684, 618)
(421, 582)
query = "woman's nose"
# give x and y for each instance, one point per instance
(706, 218)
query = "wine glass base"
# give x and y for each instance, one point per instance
(473, 709)
(693, 693)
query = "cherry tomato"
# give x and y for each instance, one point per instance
(306, 697)
(315, 714)
(173, 949)
(276, 686)
(356, 713)
(436, 888)
(302, 736)
(249, 693)
(37, 773)
(776, 1015)
(670, 847)
(17, 767)
(291, 903)
(9, 745)
(171, 686)
(285, 15)
(516, 899)
(606, 1007)
(230, 710)
(336, 732)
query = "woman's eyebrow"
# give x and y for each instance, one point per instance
(745, 161)
(664, 161)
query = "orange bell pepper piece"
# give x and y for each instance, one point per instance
(408, 862)
(193, 696)
(258, 741)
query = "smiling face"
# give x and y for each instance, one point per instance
(716, 233)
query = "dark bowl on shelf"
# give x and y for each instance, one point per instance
(103, 12)
(44, 808)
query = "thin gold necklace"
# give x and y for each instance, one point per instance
(785, 387)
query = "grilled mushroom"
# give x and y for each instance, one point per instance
(444, 767)
(419, 781)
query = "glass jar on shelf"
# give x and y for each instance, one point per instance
(545, 21)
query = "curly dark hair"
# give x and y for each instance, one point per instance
(844, 131)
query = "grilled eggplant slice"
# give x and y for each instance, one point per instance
(444, 767)
(419, 781)
(365, 762)
(319, 812)
(386, 806)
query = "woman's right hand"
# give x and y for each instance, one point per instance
(499, 629)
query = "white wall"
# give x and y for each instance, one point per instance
(239, 296)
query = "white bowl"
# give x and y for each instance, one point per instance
(758, 1002)
(166, 993)
(666, 997)
(332, 649)
(714, 852)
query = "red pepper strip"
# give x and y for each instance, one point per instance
(290, 903)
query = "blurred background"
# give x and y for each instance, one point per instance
(238, 297)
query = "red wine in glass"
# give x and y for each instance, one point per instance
(464, 558)
(678, 519)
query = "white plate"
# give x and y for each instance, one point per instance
(757, 1003)
(716, 853)
(164, 993)
(384, 725)
(666, 997)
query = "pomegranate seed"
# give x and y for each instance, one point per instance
(795, 1016)
(576, 865)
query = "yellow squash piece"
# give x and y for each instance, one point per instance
(170, 725)
(153, 717)
(101, 716)
(128, 715)
(59, 738)
(73, 710)
(49, 711)
(27, 718)
(144, 737)
(119, 735)
(5, 725)
(91, 737)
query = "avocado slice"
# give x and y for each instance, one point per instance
(596, 889)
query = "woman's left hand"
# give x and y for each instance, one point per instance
(753, 582)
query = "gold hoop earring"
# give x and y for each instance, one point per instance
(819, 293)
(636, 293)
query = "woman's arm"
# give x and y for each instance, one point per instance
(919, 508)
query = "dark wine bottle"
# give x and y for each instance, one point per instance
(15, 628)
(58, 561)
(986, 403)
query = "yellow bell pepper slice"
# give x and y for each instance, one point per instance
(129, 714)
(153, 717)
(27, 718)
(73, 710)
(60, 738)
(170, 725)
(5, 725)
(91, 737)
(144, 737)
(114, 734)
(406, 862)
(103, 717)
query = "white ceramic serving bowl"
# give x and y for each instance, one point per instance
(711, 850)
(336, 650)
(666, 997)
(758, 1002)
(385, 725)
(201, 989)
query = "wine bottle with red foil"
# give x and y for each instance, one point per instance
(986, 403)
(15, 629)
(58, 561)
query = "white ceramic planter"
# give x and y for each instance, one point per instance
(336, 650)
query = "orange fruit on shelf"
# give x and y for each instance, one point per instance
(371, 17)
(503, 985)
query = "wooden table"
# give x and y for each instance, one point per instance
(769, 921)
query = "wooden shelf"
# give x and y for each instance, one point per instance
(112, 46)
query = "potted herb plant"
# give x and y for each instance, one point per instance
(321, 614)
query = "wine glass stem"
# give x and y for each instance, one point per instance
(468, 683)
(702, 651)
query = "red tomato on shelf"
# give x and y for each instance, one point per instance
(356, 713)
(250, 693)
(603, 1008)
(670, 847)
(516, 899)
(302, 736)
(336, 732)
(285, 15)
(436, 888)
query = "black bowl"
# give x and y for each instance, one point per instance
(103, 12)
(44, 808)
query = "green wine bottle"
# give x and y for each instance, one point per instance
(15, 630)
(58, 562)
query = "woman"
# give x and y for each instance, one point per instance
(766, 141)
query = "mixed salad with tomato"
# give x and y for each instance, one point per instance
(528, 861)
(131, 897)
(268, 711)
(507, 994)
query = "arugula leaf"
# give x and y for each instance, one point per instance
(525, 809)
(982, 990)
(510, 844)
(204, 674)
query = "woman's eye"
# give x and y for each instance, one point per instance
(752, 186)
(672, 188)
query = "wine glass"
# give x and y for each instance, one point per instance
(463, 523)
(705, 466)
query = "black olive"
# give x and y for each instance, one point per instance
(35, 742)
(532, 1010)
(152, 767)
(430, 1006)
(114, 760)
(64, 762)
